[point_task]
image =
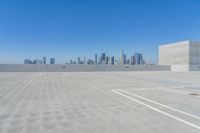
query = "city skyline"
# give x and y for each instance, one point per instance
(75, 28)
(103, 58)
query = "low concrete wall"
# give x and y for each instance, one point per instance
(79, 68)
(180, 68)
(185, 68)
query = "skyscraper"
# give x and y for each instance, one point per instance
(103, 57)
(100, 60)
(112, 60)
(122, 58)
(52, 60)
(107, 59)
(95, 58)
(44, 60)
(138, 59)
(132, 60)
(84, 60)
(79, 60)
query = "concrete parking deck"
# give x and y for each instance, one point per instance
(100, 102)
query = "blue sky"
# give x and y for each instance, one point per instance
(66, 29)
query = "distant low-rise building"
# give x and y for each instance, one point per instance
(28, 61)
(89, 62)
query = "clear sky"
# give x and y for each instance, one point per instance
(66, 29)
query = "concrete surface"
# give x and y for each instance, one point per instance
(100, 102)
(79, 68)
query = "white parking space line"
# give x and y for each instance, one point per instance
(174, 91)
(160, 104)
(140, 89)
(169, 89)
(160, 111)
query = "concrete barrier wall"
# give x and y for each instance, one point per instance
(79, 68)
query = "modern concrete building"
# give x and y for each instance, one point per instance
(182, 56)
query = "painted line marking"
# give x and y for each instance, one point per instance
(163, 105)
(160, 111)
(140, 89)
(174, 91)
(171, 89)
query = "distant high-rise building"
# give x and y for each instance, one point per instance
(44, 60)
(40, 61)
(79, 60)
(35, 61)
(100, 60)
(103, 57)
(84, 60)
(95, 58)
(122, 58)
(52, 60)
(138, 59)
(127, 62)
(112, 60)
(107, 59)
(132, 60)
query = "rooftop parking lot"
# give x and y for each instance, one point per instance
(100, 102)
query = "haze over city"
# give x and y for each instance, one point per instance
(69, 29)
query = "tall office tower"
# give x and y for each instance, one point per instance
(100, 60)
(127, 62)
(79, 60)
(138, 59)
(84, 60)
(71, 62)
(103, 57)
(40, 61)
(52, 60)
(112, 60)
(122, 58)
(95, 58)
(132, 60)
(44, 60)
(107, 59)
(35, 61)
